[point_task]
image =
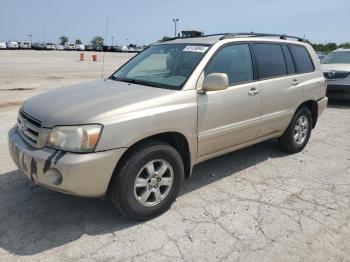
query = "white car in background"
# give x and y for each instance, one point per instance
(69, 46)
(25, 45)
(2, 45)
(12, 45)
(79, 47)
(50, 46)
(59, 47)
(336, 69)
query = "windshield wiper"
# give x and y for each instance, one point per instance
(124, 79)
(136, 81)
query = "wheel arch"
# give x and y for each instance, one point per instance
(174, 139)
(313, 107)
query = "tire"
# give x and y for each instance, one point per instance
(297, 135)
(130, 198)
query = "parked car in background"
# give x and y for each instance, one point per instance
(69, 46)
(89, 48)
(320, 55)
(12, 45)
(50, 46)
(124, 48)
(38, 46)
(106, 48)
(25, 45)
(139, 49)
(79, 47)
(97, 48)
(336, 69)
(116, 48)
(137, 135)
(2, 45)
(59, 47)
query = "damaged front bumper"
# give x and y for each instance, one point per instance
(85, 175)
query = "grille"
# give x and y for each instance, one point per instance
(29, 128)
(336, 74)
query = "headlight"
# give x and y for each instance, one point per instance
(78, 139)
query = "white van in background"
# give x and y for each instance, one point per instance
(25, 45)
(69, 46)
(79, 47)
(2, 45)
(12, 45)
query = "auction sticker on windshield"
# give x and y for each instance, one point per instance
(195, 48)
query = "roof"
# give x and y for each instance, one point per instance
(212, 39)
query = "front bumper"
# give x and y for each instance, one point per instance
(85, 175)
(338, 89)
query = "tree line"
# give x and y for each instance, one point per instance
(97, 41)
(329, 46)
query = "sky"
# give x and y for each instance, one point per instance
(145, 21)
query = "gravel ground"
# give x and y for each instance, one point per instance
(256, 204)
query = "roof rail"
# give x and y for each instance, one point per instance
(170, 39)
(252, 34)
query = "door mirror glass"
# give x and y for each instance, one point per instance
(215, 82)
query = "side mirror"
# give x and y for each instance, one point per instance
(215, 82)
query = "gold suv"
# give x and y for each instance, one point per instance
(136, 135)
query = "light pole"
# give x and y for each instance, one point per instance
(112, 39)
(175, 20)
(30, 38)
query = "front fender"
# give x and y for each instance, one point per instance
(175, 114)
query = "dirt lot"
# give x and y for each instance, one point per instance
(256, 204)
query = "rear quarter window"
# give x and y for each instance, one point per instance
(302, 59)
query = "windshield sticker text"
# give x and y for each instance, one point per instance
(195, 48)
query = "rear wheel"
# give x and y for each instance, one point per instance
(148, 180)
(298, 132)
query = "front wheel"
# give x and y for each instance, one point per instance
(147, 181)
(298, 132)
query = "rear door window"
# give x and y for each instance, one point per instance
(270, 60)
(302, 59)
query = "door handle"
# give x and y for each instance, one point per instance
(253, 91)
(295, 82)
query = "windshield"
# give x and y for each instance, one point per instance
(338, 57)
(164, 66)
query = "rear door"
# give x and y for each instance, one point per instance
(307, 77)
(279, 85)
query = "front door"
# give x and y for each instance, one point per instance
(229, 117)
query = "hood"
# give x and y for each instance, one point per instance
(83, 103)
(335, 67)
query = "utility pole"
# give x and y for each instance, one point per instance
(175, 20)
(112, 39)
(30, 38)
(43, 28)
